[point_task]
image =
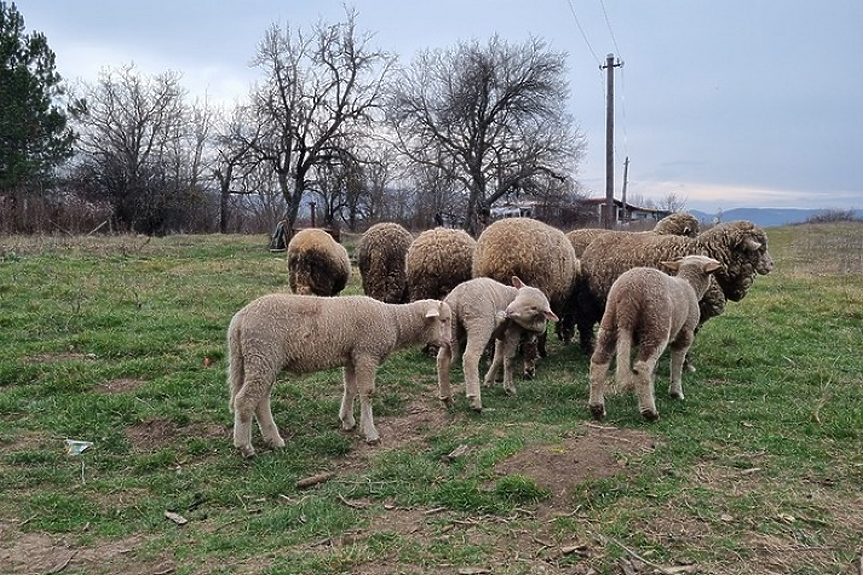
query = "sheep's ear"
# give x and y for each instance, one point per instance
(671, 266)
(550, 315)
(433, 311)
(516, 282)
(751, 244)
(712, 267)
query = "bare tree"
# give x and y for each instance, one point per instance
(672, 202)
(492, 117)
(319, 91)
(135, 133)
(235, 140)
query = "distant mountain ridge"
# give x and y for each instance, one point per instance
(767, 217)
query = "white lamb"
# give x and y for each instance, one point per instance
(483, 308)
(301, 334)
(652, 310)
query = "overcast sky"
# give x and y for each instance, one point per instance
(727, 104)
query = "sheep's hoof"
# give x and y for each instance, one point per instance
(477, 407)
(529, 373)
(649, 414)
(598, 412)
(675, 395)
(373, 440)
(247, 451)
(447, 401)
(276, 443)
(509, 391)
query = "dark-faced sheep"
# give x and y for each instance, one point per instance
(302, 334)
(740, 246)
(317, 264)
(380, 254)
(651, 310)
(482, 307)
(538, 253)
(438, 260)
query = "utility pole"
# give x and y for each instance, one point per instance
(623, 193)
(609, 215)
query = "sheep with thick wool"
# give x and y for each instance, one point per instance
(380, 254)
(652, 310)
(302, 334)
(438, 260)
(317, 264)
(677, 224)
(484, 308)
(539, 254)
(740, 246)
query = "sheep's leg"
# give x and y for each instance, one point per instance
(496, 364)
(530, 351)
(504, 352)
(679, 350)
(269, 431)
(365, 384)
(643, 379)
(246, 405)
(599, 363)
(346, 411)
(444, 363)
(470, 365)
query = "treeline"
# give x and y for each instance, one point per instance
(333, 124)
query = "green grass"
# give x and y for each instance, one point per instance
(120, 341)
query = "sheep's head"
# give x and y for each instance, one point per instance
(744, 252)
(530, 308)
(438, 319)
(677, 224)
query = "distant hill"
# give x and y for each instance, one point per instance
(767, 217)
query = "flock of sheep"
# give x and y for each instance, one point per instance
(447, 290)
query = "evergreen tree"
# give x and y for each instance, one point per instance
(34, 137)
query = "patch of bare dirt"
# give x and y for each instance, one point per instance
(598, 453)
(55, 357)
(120, 385)
(156, 433)
(26, 553)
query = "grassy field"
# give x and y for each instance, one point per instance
(120, 342)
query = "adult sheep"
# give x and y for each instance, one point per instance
(438, 260)
(678, 224)
(536, 252)
(380, 254)
(651, 310)
(317, 264)
(302, 334)
(740, 246)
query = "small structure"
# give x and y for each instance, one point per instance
(632, 213)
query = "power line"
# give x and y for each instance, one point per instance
(583, 35)
(610, 31)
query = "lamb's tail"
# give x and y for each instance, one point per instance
(623, 373)
(236, 370)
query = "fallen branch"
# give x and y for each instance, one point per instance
(314, 480)
(634, 555)
(65, 564)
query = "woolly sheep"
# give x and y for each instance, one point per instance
(302, 334)
(740, 246)
(438, 260)
(678, 224)
(317, 264)
(380, 254)
(652, 310)
(482, 307)
(538, 253)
